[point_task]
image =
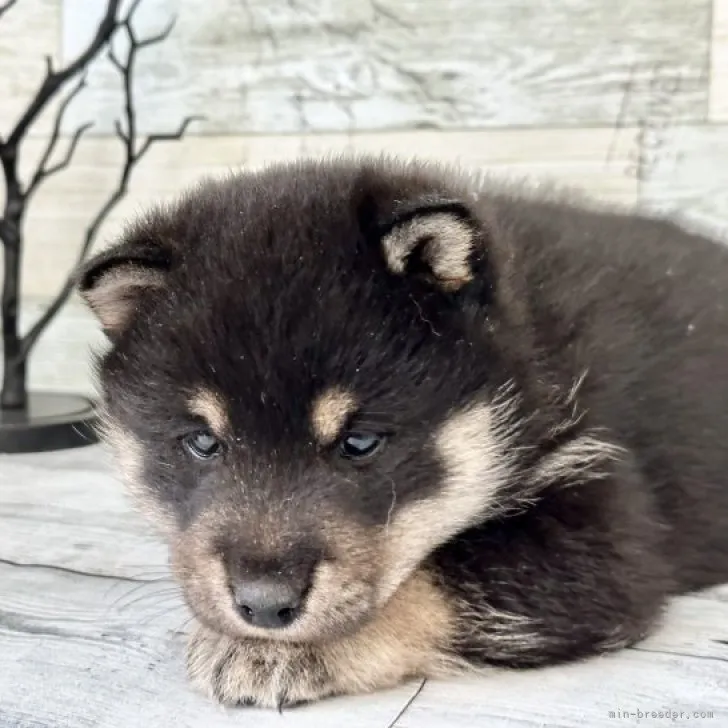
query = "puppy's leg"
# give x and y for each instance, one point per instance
(409, 637)
(581, 573)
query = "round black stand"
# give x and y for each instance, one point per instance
(51, 422)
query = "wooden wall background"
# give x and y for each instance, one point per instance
(627, 100)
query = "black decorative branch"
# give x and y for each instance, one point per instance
(133, 155)
(14, 394)
(17, 348)
(54, 80)
(44, 170)
(6, 6)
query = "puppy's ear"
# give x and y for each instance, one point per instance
(115, 282)
(436, 239)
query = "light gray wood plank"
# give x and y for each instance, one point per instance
(688, 174)
(719, 62)
(696, 625)
(68, 510)
(589, 694)
(28, 32)
(74, 653)
(62, 359)
(299, 65)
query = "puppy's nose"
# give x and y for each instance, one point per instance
(268, 602)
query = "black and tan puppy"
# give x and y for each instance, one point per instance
(396, 424)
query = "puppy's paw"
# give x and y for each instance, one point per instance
(408, 638)
(267, 674)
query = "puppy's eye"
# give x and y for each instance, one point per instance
(360, 445)
(202, 445)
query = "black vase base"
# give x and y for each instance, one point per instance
(50, 422)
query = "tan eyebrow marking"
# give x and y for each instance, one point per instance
(329, 413)
(210, 406)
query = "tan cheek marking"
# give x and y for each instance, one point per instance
(129, 455)
(329, 413)
(408, 638)
(204, 579)
(473, 445)
(344, 588)
(210, 407)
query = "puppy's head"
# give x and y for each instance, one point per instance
(306, 388)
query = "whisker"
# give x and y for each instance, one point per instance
(135, 588)
(125, 603)
(391, 505)
(160, 614)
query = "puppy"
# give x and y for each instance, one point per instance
(395, 423)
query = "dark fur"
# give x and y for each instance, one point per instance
(276, 286)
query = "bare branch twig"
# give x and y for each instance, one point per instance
(43, 170)
(115, 61)
(120, 132)
(169, 136)
(6, 6)
(13, 393)
(126, 131)
(154, 39)
(71, 149)
(53, 80)
(132, 11)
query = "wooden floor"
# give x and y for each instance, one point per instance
(91, 634)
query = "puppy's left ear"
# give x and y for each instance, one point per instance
(435, 239)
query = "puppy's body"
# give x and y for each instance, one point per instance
(394, 423)
(642, 306)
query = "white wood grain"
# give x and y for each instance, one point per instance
(92, 632)
(719, 62)
(62, 359)
(28, 32)
(689, 176)
(73, 652)
(84, 521)
(299, 65)
(590, 693)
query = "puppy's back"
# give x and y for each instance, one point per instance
(642, 304)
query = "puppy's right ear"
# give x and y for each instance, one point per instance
(117, 281)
